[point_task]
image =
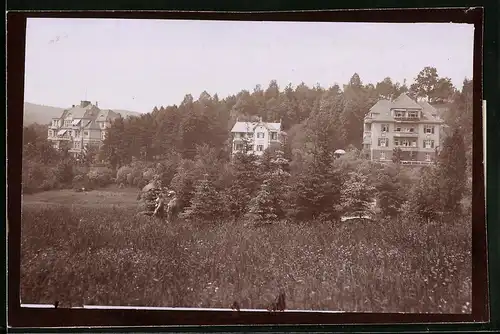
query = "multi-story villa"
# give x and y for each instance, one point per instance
(256, 136)
(81, 126)
(412, 126)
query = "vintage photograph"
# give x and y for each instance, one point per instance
(247, 165)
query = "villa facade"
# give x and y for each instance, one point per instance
(413, 127)
(256, 137)
(81, 126)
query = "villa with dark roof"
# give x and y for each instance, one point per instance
(411, 126)
(81, 126)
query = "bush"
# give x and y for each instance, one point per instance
(37, 177)
(64, 172)
(99, 178)
(122, 173)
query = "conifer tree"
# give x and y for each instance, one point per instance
(357, 195)
(245, 183)
(452, 164)
(424, 199)
(390, 192)
(206, 204)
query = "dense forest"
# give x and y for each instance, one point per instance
(187, 147)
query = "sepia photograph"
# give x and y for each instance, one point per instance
(247, 165)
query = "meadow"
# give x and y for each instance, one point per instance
(91, 248)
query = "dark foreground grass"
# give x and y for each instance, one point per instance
(108, 256)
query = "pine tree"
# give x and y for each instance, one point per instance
(315, 192)
(206, 204)
(264, 206)
(424, 199)
(357, 195)
(269, 203)
(245, 183)
(452, 164)
(390, 192)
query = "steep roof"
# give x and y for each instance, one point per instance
(403, 101)
(79, 112)
(381, 111)
(92, 125)
(249, 126)
(428, 111)
(107, 114)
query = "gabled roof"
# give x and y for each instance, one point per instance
(250, 126)
(107, 115)
(381, 111)
(79, 112)
(429, 112)
(92, 125)
(403, 101)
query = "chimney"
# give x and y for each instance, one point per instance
(73, 106)
(97, 105)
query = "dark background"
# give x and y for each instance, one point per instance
(490, 91)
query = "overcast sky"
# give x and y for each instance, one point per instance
(137, 64)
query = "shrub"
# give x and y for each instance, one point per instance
(99, 177)
(122, 173)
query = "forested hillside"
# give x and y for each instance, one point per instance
(336, 111)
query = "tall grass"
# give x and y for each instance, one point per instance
(109, 256)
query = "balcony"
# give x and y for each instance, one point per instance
(416, 162)
(402, 134)
(406, 118)
(407, 148)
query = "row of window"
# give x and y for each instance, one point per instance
(240, 147)
(260, 135)
(386, 128)
(383, 156)
(74, 133)
(384, 142)
(411, 114)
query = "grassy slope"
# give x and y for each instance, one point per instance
(103, 254)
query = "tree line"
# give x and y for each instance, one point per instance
(188, 148)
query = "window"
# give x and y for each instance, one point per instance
(411, 130)
(274, 135)
(385, 127)
(382, 155)
(413, 143)
(428, 143)
(428, 129)
(50, 133)
(86, 133)
(413, 114)
(238, 147)
(427, 157)
(260, 134)
(260, 148)
(383, 142)
(397, 129)
(67, 123)
(396, 142)
(399, 114)
(103, 135)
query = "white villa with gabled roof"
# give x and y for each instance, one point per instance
(256, 136)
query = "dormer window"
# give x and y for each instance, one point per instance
(413, 114)
(385, 127)
(398, 113)
(260, 134)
